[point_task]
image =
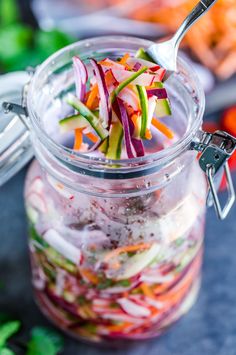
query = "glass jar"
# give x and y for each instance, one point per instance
(116, 250)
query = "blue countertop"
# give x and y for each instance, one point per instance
(208, 329)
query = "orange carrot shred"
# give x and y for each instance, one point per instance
(163, 128)
(92, 96)
(90, 276)
(148, 134)
(92, 137)
(126, 249)
(124, 59)
(78, 138)
(147, 290)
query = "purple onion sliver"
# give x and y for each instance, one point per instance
(136, 142)
(137, 66)
(159, 93)
(81, 77)
(104, 95)
(138, 147)
(125, 123)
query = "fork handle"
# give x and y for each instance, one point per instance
(202, 7)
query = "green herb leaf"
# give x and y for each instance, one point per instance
(7, 330)
(6, 351)
(8, 12)
(44, 338)
(104, 284)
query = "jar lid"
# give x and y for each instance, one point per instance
(15, 145)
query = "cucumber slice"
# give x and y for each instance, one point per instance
(73, 122)
(126, 82)
(144, 106)
(158, 85)
(115, 141)
(143, 55)
(104, 146)
(88, 115)
(162, 108)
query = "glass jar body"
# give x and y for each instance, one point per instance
(116, 250)
(106, 269)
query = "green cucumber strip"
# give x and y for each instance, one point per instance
(73, 122)
(115, 141)
(104, 146)
(162, 108)
(158, 85)
(143, 55)
(88, 115)
(126, 82)
(144, 107)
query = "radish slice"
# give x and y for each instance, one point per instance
(114, 64)
(133, 309)
(122, 318)
(151, 110)
(37, 201)
(81, 77)
(105, 111)
(156, 278)
(145, 63)
(130, 98)
(142, 80)
(66, 249)
(36, 185)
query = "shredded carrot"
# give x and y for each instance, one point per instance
(105, 63)
(134, 119)
(147, 290)
(163, 128)
(126, 249)
(90, 276)
(118, 327)
(148, 134)
(124, 59)
(78, 138)
(92, 137)
(92, 96)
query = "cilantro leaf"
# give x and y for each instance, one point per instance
(7, 330)
(44, 338)
(6, 351)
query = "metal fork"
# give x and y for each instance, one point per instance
(165, 53)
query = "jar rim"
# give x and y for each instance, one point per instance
(79, 160)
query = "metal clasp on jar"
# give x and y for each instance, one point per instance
(216, 149)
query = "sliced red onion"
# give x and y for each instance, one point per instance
(105, 111)
(160, 73)
(133, 309)
(159, 93)
(137, 142)
(137, 66)
(125, 123)
(81, 77)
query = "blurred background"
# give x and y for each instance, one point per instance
(32, 30)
